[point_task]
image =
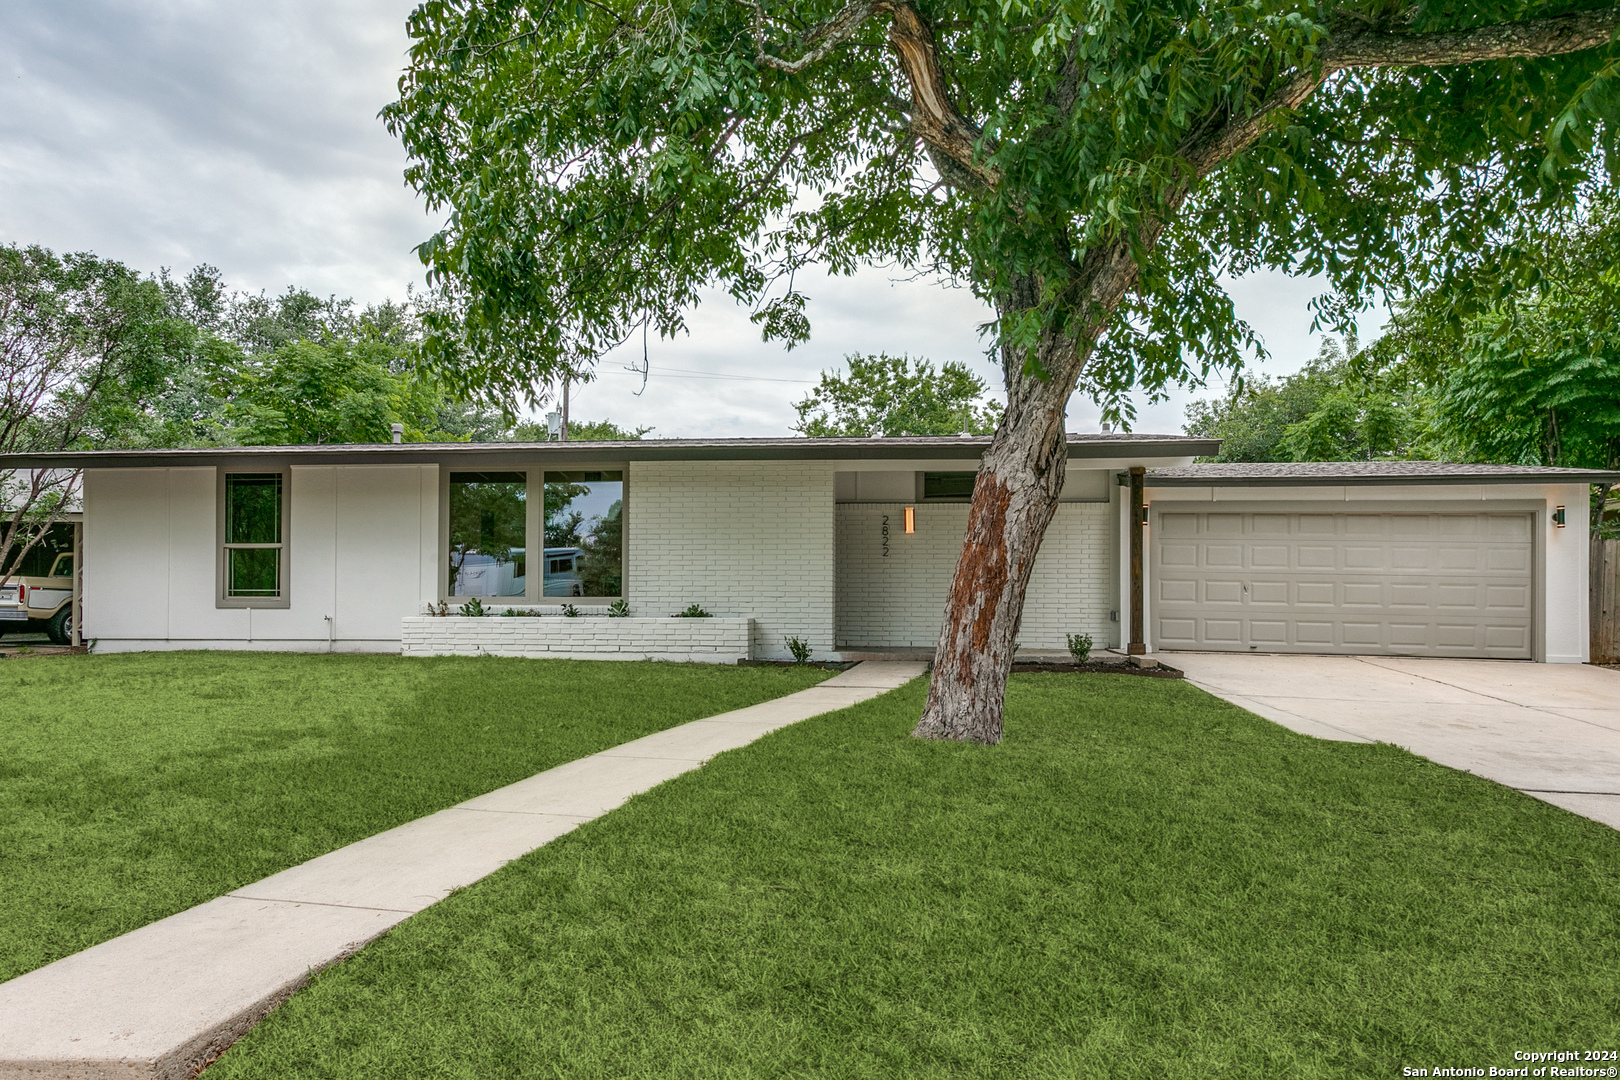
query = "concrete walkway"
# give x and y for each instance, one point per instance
(163, 1000)
(1549, 730)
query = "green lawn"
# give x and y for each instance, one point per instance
(1142, 881)
(135, 786)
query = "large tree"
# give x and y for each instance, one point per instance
(84, 344)
(1089, 167)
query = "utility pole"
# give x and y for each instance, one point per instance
(564, 436)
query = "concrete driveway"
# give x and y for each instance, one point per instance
(1549, 730)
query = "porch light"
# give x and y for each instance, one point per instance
(1558, 518)
(911, 519)
(1144, 513)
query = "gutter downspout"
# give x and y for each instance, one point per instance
(1137, 645)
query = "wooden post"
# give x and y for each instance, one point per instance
(1138, 643)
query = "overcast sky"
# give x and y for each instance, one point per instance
(178, 132)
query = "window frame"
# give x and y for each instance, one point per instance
(262, 468)
(534, 526)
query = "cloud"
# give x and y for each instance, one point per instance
(178, 132)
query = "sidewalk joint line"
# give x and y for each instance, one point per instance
(315, 903)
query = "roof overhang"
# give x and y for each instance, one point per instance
(1503, 475)
(966, 448)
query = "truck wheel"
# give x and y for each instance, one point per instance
(60, 628)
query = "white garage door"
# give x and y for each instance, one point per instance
(1404, 584)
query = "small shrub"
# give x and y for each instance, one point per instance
(619, 609)
(570, 611)
(1080, 647)
(473, 609)
(695, 611)
(520, 613)
(800, 649)
(439, 610)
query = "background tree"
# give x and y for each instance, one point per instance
(83, 342)
(1090, 169)
(1328, 411)
(894, 395)
(578, 431)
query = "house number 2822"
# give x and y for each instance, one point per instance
(885, 536)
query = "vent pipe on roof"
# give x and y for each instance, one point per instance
(399, 432)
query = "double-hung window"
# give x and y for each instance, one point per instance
(253, 539)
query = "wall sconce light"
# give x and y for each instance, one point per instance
(1558, 518)
(1144, 513)
(911, 519)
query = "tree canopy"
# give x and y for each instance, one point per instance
(1091, 168)
(894, 395)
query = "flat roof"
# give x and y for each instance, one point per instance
(966, 447)
(1306, 473)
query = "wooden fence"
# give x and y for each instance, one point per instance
(1605, 601)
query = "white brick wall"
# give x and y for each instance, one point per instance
(719, 641)
(744, 539)
(898, 600)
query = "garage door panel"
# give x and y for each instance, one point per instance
(1362, 633)
(1406, 558)
(1505, 598)
(1414, 584)
(1507, 559)
(1363, 594)
(1270, 557)
(1178, 555)
(1268, 592)
(1268, 631)
(1318, 557)
(1314, 633)
(1178, 589)
(1315, 593)
(1409, 635)
(1407, 595)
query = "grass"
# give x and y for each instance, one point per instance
(136, 786)
(1142, 881)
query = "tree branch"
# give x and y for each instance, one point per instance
(1507, 41)
(821, 40)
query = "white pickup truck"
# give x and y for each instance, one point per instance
(40, 603)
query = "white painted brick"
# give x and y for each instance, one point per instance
(711, 640)
(744, 539)
(898, 600)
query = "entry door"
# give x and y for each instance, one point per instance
(1397, 584)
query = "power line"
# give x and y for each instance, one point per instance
(687, 373)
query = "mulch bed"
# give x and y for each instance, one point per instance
(24, 652)
(1098, 667)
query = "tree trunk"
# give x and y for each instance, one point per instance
(1016, 494)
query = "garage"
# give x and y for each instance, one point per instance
(1378, 558)
(1408, 584)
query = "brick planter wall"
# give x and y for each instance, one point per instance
(588, 637)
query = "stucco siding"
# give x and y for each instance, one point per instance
(897, 600)
(743, 539)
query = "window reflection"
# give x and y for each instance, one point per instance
(584, 533)
(488, 533)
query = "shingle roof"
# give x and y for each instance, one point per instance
(966, 447)
(1263, 473)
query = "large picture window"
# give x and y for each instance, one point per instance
(488, 534)
(255, 537)
(584, 525)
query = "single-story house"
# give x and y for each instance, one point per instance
(846, 544)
